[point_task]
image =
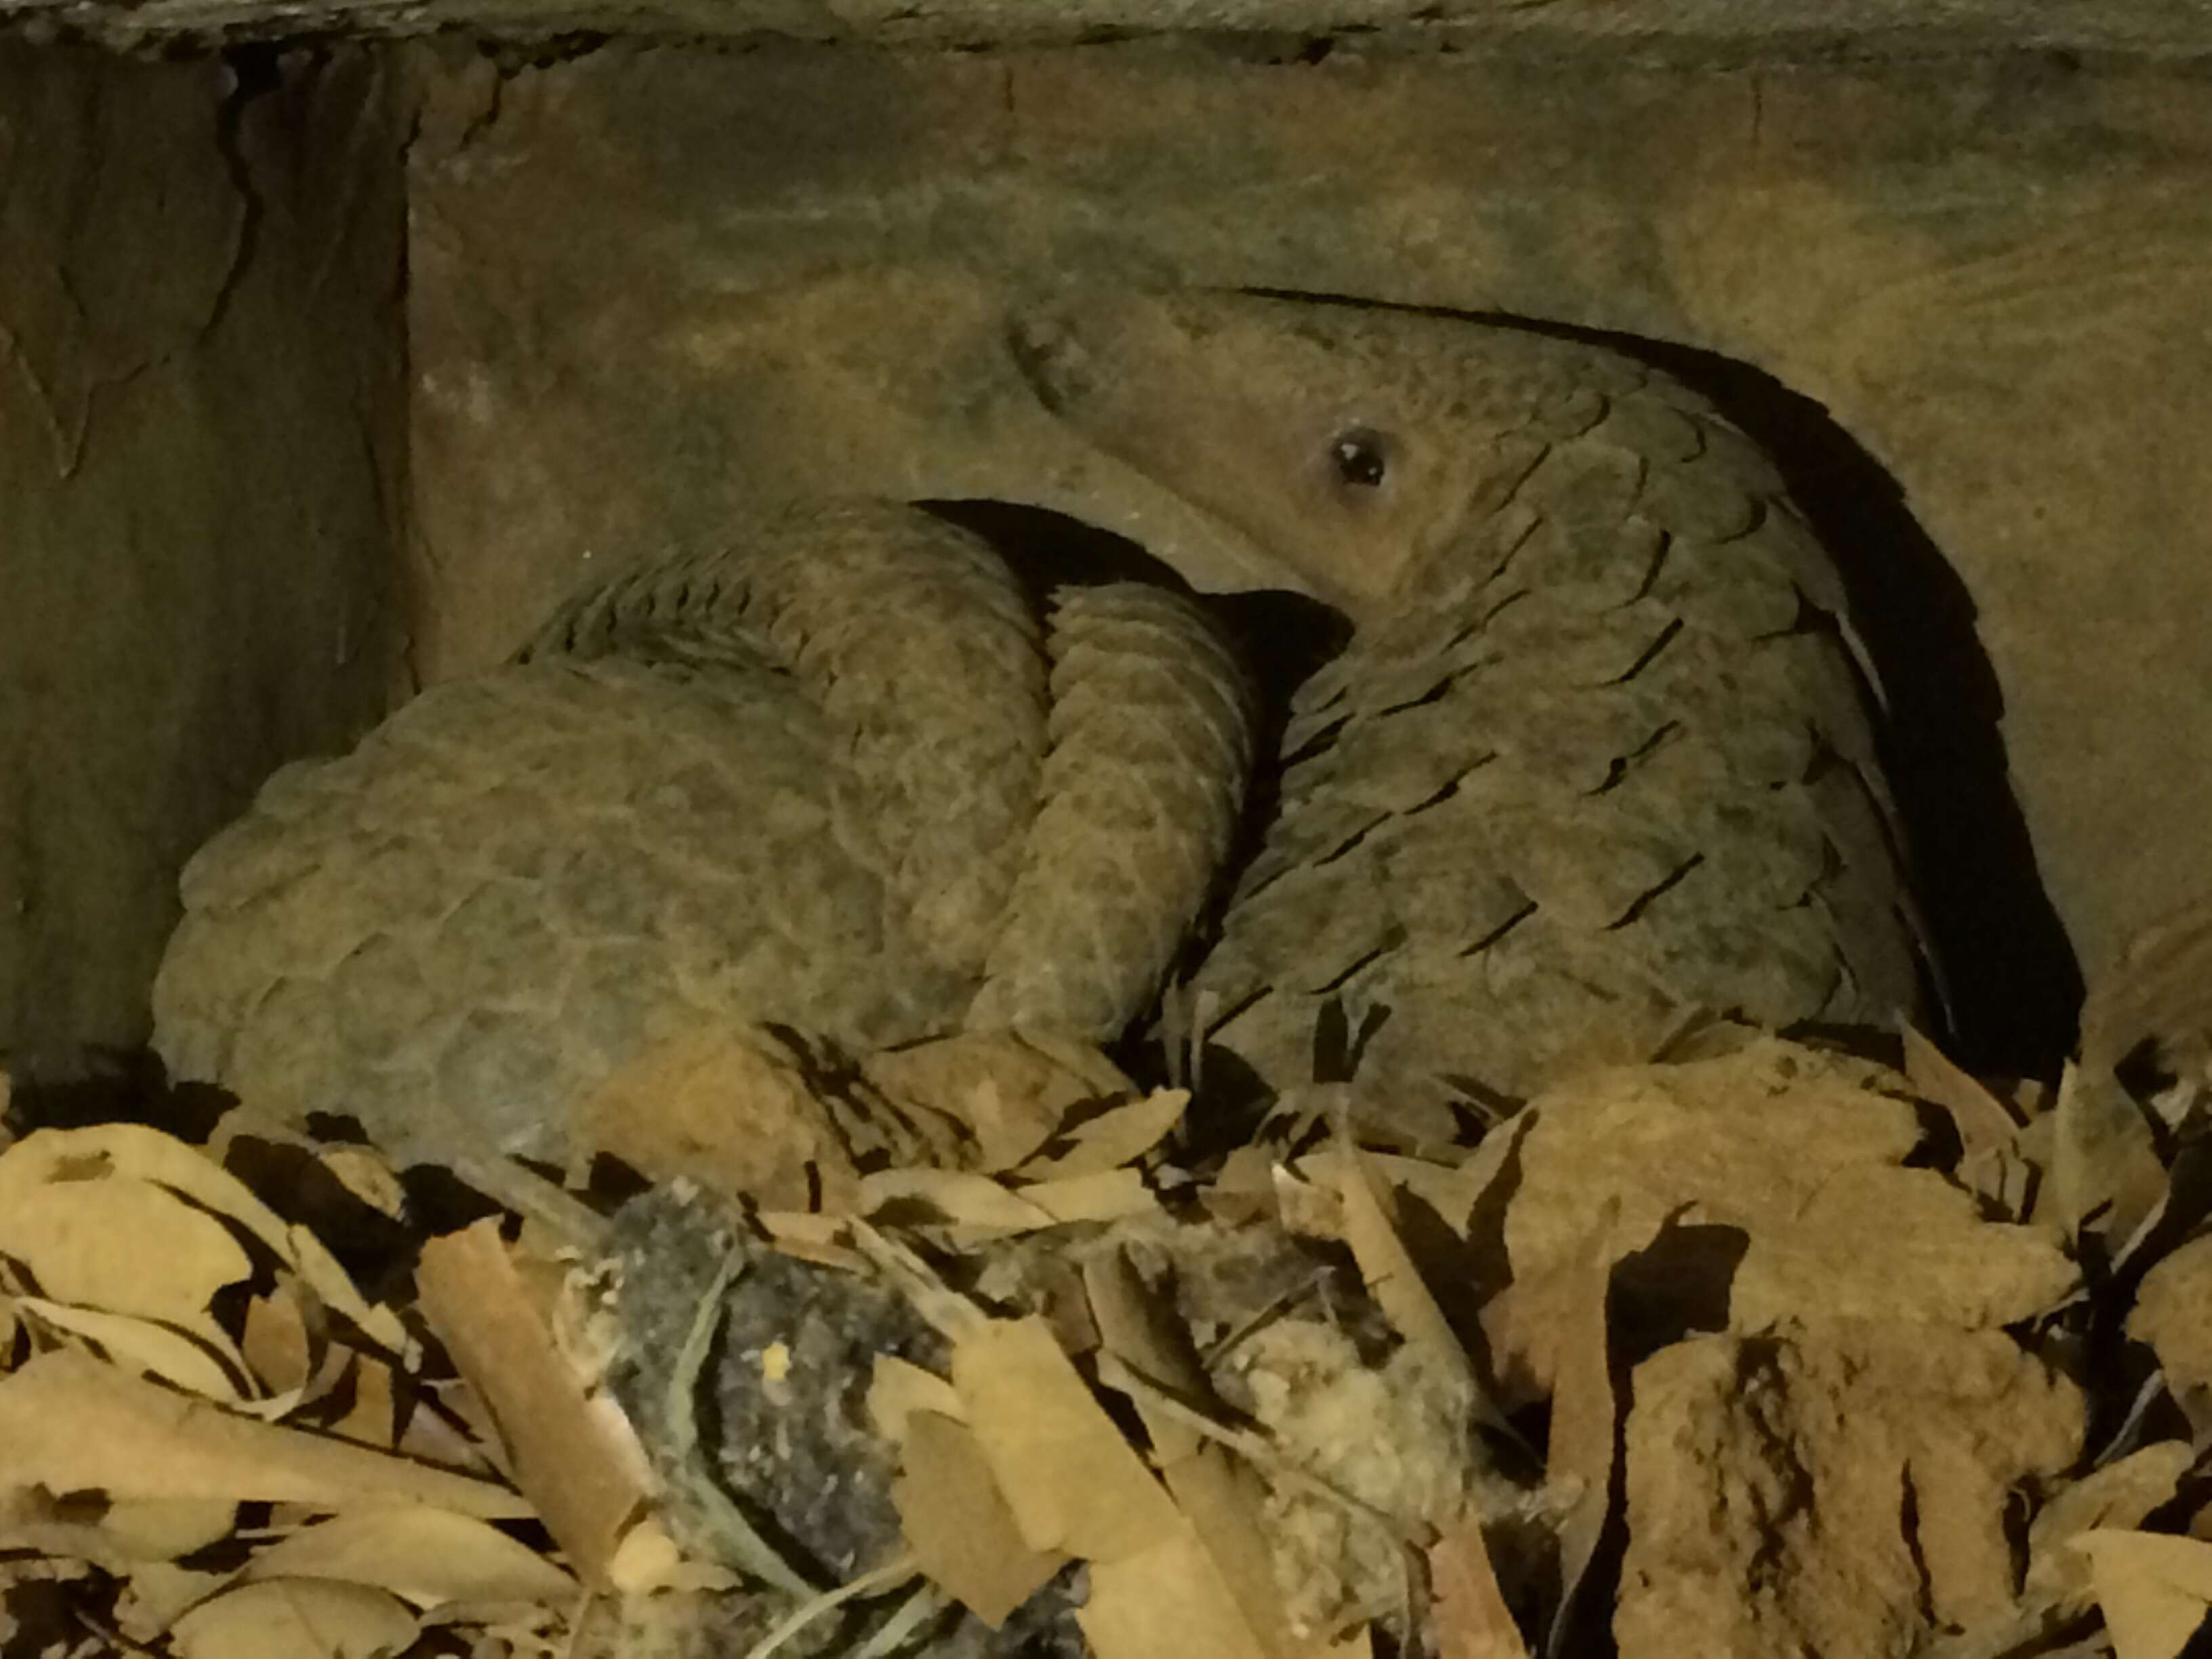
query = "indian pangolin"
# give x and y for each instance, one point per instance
(848, 776)
(1596, 755)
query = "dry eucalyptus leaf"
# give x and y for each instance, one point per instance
(157, 1593)
(1985, 1122)
(1074, 1484)
(2115, 1497)
(1168, 1598)
(1585, 1411)
(70, 1424)
(422, 1555)
(368, 1175)
(900, 1387)
(1472, 1621)
(275, 1343)
(578, 1476)
(1109, 1195)
(140, 1346)
(2105, 1175)
(2155, 1590)
(808, 1236)
(950, 1196)
(296, 1619)
(163, 1529)
(958, 1521)
(1118, 1135)
(120, 1244)
(1392, 1278)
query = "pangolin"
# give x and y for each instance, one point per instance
(847, 776)
(1597, 755)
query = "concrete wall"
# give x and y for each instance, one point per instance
(201, 390)
(648, 282)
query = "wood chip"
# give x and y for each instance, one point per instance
(581, 1482)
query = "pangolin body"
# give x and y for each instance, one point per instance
(846, 776)
(1596, 755)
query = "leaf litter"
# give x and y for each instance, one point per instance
(1285, 1404)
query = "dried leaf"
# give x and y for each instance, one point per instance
(2116, 1496)
(295, 1618)
(899, 1387)
(1388, 1270)
(1119, 1135)
(1075, 1485)
(364, 1172)
(119, 1244)
(1110, 1195)
(583, 1483)
(275, 1343)
(1985, 1123)
(142, 1346)
(163, 1529)
(1585, 1415)
(808, 1236)
(2155, 1590)
(958, 1521)
(2106, 1175)
(1472, 1619)
(70, 1424)
(1168, 1598)
(421, 1555)
(954, 1196)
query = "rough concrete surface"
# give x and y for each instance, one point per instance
(2136, 25)
(199, 378)
(781, 269)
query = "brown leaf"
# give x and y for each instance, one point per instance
(2155, 1590)
(275, 1343)
(119, 1244)
(2105, 1175)
(1074, 1485)
(1119, 1135)
(143, 1347)
(301, 1618)
(1985, 1122)
(579, 1477)
(1168, 1598)
(1472, 1619)
(1585, 1413)
(70, 1424)
(962, 1531)
(422, 1555)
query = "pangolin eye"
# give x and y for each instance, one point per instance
(1360, 457)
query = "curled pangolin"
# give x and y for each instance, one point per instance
(1596, 755)
(848, 776)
